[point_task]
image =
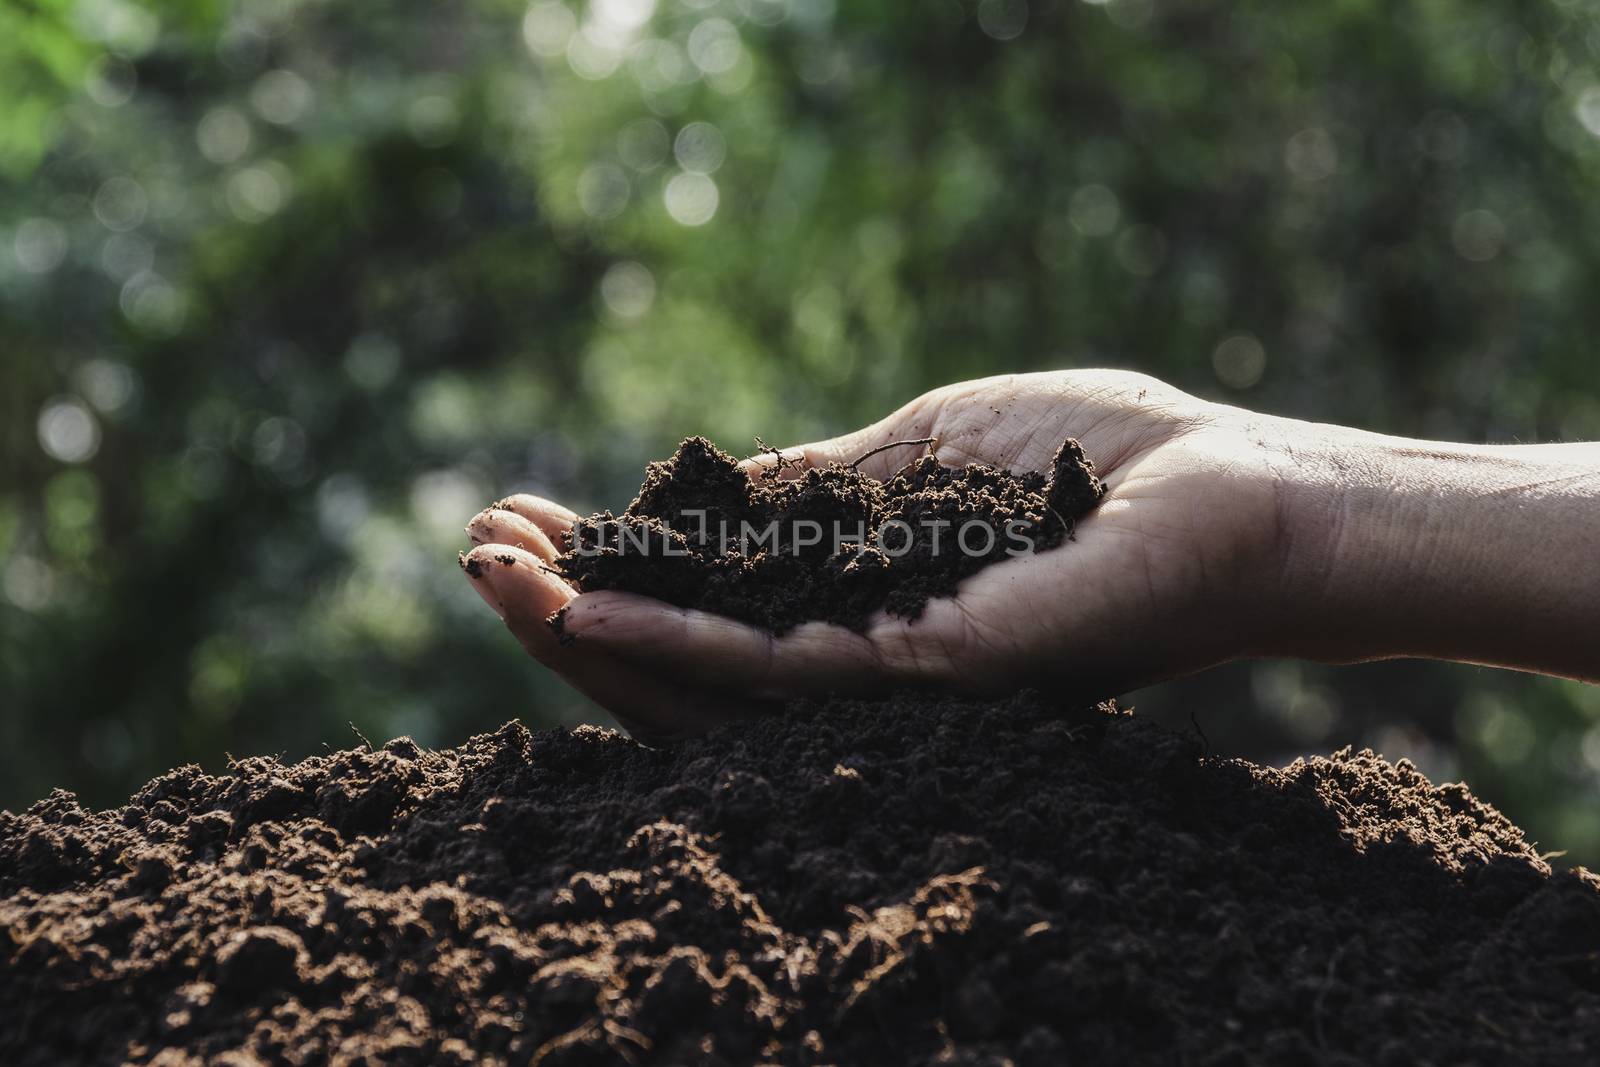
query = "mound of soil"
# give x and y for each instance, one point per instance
(914, 880)
(830, 544)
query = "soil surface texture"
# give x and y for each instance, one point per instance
(832, 543)
(916, 880)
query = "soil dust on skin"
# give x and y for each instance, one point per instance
(670, 544)
(917, 880)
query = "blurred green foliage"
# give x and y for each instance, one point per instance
(290, 288)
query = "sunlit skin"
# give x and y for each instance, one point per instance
(1224, 534)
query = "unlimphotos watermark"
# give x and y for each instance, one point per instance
(893, 538)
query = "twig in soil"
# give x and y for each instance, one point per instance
(932, 442)
(357, 731)
(1070, 527)
(1205, 742)
(779, 464)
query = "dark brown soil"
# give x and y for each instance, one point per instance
(701, 534)
(912, 881)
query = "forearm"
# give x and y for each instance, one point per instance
(1479, 553)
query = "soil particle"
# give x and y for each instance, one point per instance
(913, 880)
(831, 543)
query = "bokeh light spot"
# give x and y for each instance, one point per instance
(217, 670)
(714, 46)
(603, 190)
(242, 46)
(547, 27)
(819, 313)
(281, 97)
(1501, 731)
(442, 500)
(1094, 210)
(1311, 155)
(28, 583)
(255, 194)
(1239, 361)
(39, 245)
(660, 66)
(623, 14)
(120, 203)
(68, 430)
(372, 361)
(691, 199)
(593, 54)
(1591, 748)
(446, 411)
(700, 148)
(643, 144)
(279, 445)
(628, 289)
(152, 304)
(126, 26)
(1004, 20)
(1588, 109)
(108, 385)
(126, 254)
(223, 135)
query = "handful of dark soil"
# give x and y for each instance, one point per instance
(833, 544)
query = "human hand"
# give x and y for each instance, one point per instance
(1171, 574)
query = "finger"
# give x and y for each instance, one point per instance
(812, 659)
(878, 451)
(519, 588)
(794, 461)
(789, 462)
(553, 519)
(496, 526)
(515, 583)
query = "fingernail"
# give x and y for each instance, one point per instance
(481, 581)
(480, 531)
(558, 625)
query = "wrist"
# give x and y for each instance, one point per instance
(1392, 547)
(1357, 532)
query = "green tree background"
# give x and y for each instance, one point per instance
(290, 288)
